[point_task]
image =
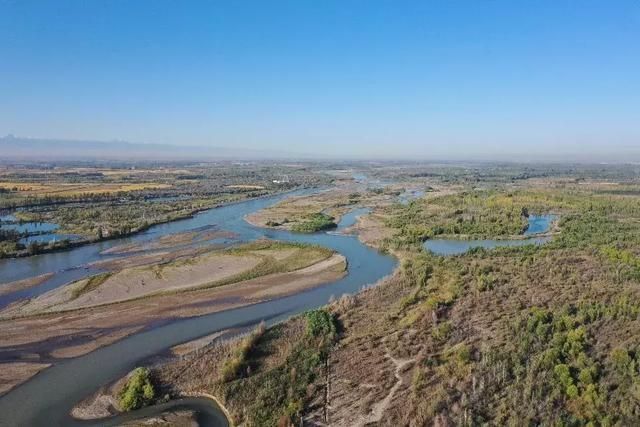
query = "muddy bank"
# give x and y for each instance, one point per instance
(19, 285)
(166, 242)
(16, 372)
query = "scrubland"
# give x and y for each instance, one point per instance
(526, 335)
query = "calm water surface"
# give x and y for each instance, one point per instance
(537, 224)
(42, 232)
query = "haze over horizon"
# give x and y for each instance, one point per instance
(549, 80)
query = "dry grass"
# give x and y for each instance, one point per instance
(71, 190)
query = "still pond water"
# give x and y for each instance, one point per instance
(537, 224)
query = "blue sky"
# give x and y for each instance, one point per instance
(446, 79)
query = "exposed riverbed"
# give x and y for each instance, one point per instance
(46, 399)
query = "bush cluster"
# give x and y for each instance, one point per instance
(138, 391)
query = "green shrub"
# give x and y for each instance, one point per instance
(442, 331)
(277, 395)
(89, 284)
(138, 390)
(320, 323)
(315, 222)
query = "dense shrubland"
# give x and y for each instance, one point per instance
(264, 378)
(106, 202)
(119, 219)
(485, 175)
(532, 335)
(313, 223)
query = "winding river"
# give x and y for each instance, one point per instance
(47, 398)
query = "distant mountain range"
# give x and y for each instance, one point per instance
(19, 148)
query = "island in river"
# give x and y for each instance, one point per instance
(98, 310)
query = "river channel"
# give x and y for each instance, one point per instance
(47, 398)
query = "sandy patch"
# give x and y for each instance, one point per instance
(180, 275)
(148, 258)
(246, 187)
(80, 331)
(334, 202)
(169, 419)
(14, 373)
(137, 282)
(298, 280)
(19, 285)
(278, 254)
(169, 241)
(101, 404)
(370, 230)
(80, 349)
(190, 346)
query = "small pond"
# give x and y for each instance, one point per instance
(537, 224)
(350, 218)
(41, 232)
(408, 195)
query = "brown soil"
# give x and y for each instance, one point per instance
(160, 257)
(370, 230)
(167, 419)
(102, 403)
(197, 344)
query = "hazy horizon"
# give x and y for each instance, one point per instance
(532, 81)
(57, 149)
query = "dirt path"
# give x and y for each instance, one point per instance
(380, 407)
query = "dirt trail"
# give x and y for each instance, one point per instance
(379, 408)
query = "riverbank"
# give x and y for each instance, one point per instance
(64, 245)
(365, 266)
(200, 369)
(393, 337)
(19, 285)
(96, 319)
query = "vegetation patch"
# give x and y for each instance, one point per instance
(277, 396)
(237, 365)
(315, 222)
(537, 335)
(138, 391)
(265, 378)
(304, 256)
(89, 284)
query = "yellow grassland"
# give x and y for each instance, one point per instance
(61, 189)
